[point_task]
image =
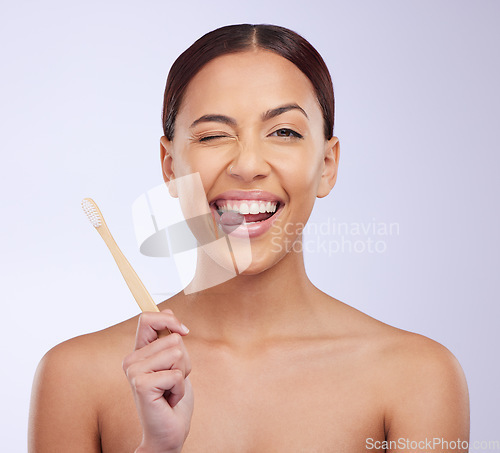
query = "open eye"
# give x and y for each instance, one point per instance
(286, 133)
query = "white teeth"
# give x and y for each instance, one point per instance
(247, 206)
(244, 209)
(254, 208)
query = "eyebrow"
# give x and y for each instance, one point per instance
(214, 118)
(265, 116)
(282, 109)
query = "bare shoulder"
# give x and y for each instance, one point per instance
(421, 382)
(82, 361)
(408, 352)
(70, 384)
(94, 349)
(426, 390)
(414, 361)
(94, 357)
(399, 352)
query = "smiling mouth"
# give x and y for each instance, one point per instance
(252, 211)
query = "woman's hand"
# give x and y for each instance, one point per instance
(157, 371)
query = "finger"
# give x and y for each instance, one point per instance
(153, 386)
(166, 359)
(173, 341)
(177, 392)
(150, 323)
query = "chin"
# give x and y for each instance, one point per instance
(262, 263)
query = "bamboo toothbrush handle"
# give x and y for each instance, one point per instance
(135, 285)
(140, 293)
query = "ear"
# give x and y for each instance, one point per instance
(330, 167)
(167, 165)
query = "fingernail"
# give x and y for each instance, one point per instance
(184, 328)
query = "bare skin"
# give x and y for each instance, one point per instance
(326, 385)
(275, 364)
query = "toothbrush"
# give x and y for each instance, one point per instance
(138, 290)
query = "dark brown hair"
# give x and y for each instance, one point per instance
(239, 38)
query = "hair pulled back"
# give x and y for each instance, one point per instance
(243, 37)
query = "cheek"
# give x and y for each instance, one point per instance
(303, 178)
(207, 164)
(303, 173)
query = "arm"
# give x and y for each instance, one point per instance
(428, 402)
(63, 413)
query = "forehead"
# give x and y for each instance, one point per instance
(246, 82)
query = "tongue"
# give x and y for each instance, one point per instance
(235, 218)
(231, 218)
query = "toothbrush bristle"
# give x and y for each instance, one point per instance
(92, 212)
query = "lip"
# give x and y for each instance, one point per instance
(253, 229)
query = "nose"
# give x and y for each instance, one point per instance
(249, 163)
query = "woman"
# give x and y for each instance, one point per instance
(275, 364)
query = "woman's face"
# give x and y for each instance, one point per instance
(251, 122)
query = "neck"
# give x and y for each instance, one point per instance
(249, 307)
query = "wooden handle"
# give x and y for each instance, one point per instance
(134, 283)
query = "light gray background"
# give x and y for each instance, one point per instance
(417, 114)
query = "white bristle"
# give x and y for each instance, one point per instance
(92, 213)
